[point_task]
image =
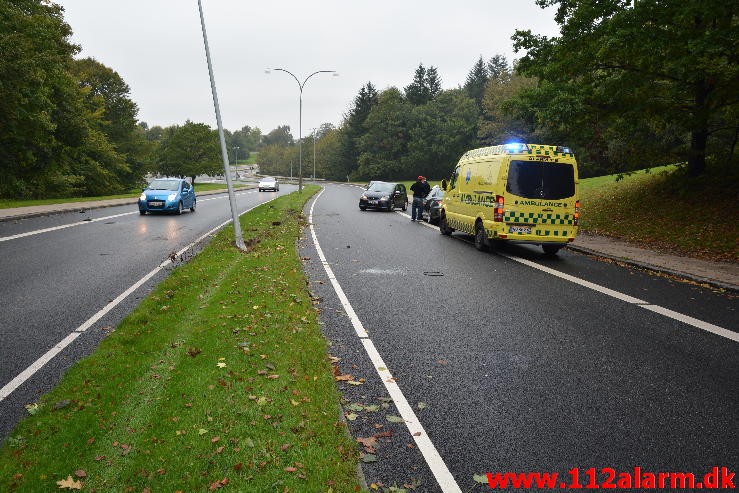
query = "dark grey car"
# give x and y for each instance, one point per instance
(432, 205)
(384, 195)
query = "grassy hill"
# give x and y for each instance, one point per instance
(663, 209)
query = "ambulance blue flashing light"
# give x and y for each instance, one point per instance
(516, 147)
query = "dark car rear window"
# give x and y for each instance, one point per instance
(541, 180)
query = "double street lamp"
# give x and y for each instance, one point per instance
(300, 120)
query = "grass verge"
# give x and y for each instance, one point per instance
(219, 379)
(8, 203)
(663, 209)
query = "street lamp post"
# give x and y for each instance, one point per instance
(236, 154)
(238, 237)
(300, 120)
(314, 155)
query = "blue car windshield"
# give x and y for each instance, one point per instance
(164, 185)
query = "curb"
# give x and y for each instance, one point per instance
(654, 268)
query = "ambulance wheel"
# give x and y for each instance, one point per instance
(551, 249)
(481, 237)
(444, 227)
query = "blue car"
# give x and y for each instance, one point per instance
(167, 195)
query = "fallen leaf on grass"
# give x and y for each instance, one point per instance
(80, 473)
(69, 484)
(218, 484)
(32, 408)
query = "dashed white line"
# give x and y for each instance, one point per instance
(423, 442)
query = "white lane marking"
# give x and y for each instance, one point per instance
(715, 329)
(358, 328)
(37, 365)
(577, 280)
(709, 327)
(423, 442)
(49, 355)
(82, 223)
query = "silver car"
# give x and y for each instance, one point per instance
(269, 183)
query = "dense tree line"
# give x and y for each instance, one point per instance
(68, 127)
(626, 84)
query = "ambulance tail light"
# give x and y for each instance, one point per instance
(499, 209)
(577, 212)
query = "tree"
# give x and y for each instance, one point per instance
(42, 120)
(189, 150)
(441, 132)
(106, 96)
(279, 136)
(476, 80)
(499, 123)
(499, 69)
(386, 137)
(352, 129)
(425, 86)
(645, 68)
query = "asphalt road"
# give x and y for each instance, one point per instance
(511, 368)
(52, 282)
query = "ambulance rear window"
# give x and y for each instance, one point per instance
(540, 180)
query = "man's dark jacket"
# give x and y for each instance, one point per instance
(420, 189)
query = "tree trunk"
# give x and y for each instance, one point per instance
(699, 132)
(192, 182)
(697, 153)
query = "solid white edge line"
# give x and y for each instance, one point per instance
(415, 428)
(49, 355)
(36, 365)
(433, 459)
(356, 323)
(577, 280)
(715, 329)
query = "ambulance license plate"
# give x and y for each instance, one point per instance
(526, 230)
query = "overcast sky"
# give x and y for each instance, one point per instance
(157, 47)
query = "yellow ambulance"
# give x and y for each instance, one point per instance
(525, 193)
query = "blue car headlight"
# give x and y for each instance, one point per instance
(142, 197)
(171, 197)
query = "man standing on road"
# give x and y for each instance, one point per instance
(420, 189)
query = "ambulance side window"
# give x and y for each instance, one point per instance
(453, 183)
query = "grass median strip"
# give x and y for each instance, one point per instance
(219, 379)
